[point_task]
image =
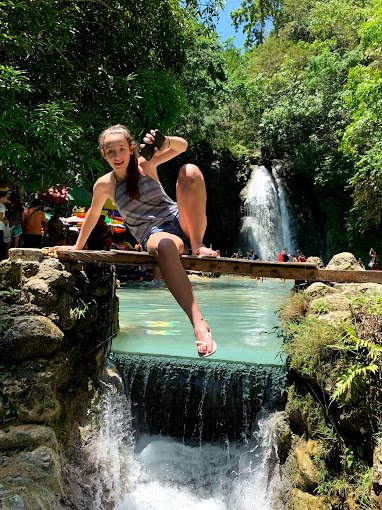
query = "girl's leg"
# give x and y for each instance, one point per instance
(167, 248)
(191, 197)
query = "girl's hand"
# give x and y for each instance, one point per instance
(148, 139)
(65, 247)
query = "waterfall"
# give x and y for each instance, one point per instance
(197, 401)
(267, 224)
(159, 472)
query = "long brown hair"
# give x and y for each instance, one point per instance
(132, 169)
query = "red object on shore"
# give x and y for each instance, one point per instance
(62, 194)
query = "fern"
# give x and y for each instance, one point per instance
(352, 381)
(363, 360)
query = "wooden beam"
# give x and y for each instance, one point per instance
(253, 268)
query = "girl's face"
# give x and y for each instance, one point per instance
(117, 152)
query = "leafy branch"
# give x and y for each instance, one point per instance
(363, 361)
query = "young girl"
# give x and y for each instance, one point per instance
(165, 228)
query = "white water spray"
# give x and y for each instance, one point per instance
(267, 223)
(160, 473)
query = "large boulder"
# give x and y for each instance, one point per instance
(31, 390)
(319, 289)
(344, 261)
(31, 479)
(315, 260)
(27, 436)
(29, 337)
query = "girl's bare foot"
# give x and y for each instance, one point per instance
(203, 251)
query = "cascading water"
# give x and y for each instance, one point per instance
(197, 401)
(267, 224)
(161, 473)
(136, 468)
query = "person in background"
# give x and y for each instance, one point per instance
(100, 236)
(14, 214)
(300, 256)
(283, 255)
(3, 221)
(373, 264)
(34, 225)
(55, 230)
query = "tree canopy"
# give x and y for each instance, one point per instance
(305, 91)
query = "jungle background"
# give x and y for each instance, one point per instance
(306, 91)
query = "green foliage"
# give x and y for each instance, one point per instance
(361, 137)
(355, 484)
(293, 310)
(307, 348)
(79, 311)
(71, 69)
(336, 20)
(362, 359)
(320, 306)
(253, 15)
(315, 420)
(368, 304)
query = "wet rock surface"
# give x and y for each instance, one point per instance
(56, 323)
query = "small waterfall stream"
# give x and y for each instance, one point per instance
(267, 225)
(138, 469)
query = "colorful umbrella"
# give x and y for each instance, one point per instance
(74, 219)
(109, 205)
(62, 194)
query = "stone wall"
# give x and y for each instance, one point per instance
(56, 325)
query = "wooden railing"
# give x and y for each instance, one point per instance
(252, 268)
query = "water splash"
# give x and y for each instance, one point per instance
(110, 450)
(158, 472)
(266, 226)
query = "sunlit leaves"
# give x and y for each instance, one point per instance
(253, 15)
(73, 68)
(13, 81)
(338, 20)
(362, 136)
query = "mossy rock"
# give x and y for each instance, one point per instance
(319, 289)
(306, 477)
(305, 501)
(31, 479)
(29, 337)
(22, 437)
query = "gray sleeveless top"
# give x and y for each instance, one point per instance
(153, 208)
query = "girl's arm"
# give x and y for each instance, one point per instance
(172, 147)
(101, 192)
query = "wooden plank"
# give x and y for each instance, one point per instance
(253, 268)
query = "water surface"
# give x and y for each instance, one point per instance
(241, 313)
